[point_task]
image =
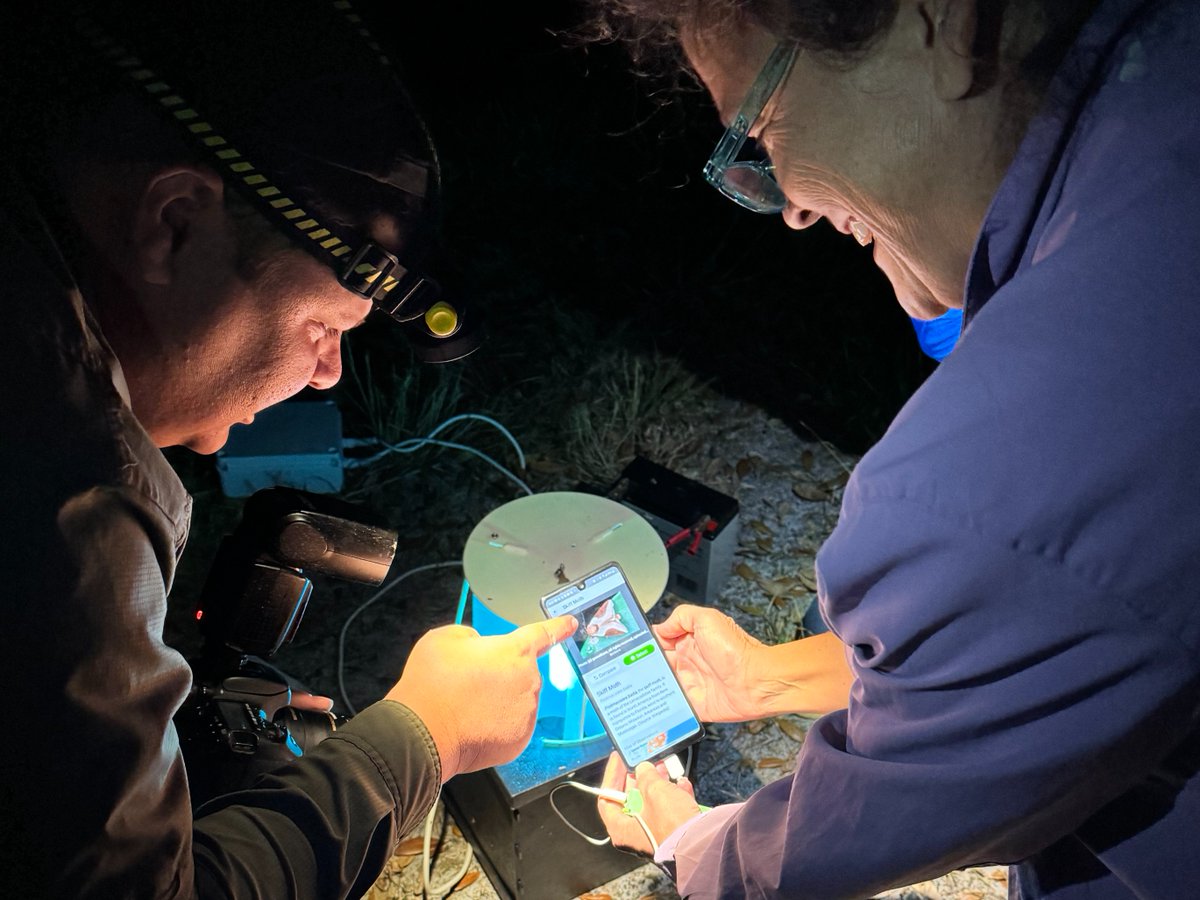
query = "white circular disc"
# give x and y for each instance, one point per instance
(523, 550)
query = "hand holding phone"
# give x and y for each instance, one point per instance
(717, 663)
(652, 808)
(622, 668)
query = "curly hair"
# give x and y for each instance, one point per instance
(651, 30)
(837, 31)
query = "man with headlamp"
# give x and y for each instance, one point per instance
(198, 201)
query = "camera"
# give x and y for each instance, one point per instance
(241, 718)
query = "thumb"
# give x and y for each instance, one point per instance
(311, 702)
(647, 776)
(680, 623)
(538, 637)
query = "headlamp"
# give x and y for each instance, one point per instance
(268, 178)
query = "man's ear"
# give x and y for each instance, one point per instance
(952, 36)
(178, 204)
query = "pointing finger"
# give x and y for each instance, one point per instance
(538, 637)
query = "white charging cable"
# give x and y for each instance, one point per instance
(675, 769)
(631, 805)
(631, 802)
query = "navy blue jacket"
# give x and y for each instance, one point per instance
(1016, 567)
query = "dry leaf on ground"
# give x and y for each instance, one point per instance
(414, 847)
(772, 762)
(806, 490)
(466, 881)
(808, 578)
(791, 729)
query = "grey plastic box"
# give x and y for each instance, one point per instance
(296, 444)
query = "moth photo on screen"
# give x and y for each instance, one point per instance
(623, 669)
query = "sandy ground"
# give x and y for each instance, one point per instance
(788, 488)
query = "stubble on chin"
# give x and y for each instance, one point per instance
(208, 442)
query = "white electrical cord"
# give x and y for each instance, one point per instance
(413, 444)
(341, 656)
(675, 769)
(427, 860)
(410, 446)
(490, 421)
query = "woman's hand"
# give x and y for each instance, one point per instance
(715, 661)
(665, 805)
(730, 676)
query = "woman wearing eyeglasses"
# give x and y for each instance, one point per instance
(1015, 575)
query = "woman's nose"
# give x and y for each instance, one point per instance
(798, 218)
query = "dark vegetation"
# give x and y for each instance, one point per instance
(576, 215)
(614, 281)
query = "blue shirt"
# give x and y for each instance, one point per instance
(1016, 567)
(937, 337)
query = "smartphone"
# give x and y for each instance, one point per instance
(622, 668)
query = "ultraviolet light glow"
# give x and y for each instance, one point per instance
(562, 675)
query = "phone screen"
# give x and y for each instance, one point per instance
(622, 667)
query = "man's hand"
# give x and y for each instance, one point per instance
(307, 702)
(665, 806)
(478, 695)
(715, 661)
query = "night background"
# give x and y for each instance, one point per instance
(575, 210)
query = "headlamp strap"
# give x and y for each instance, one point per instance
(369, 271)
(379, 276)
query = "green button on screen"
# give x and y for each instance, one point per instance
(639, 653)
